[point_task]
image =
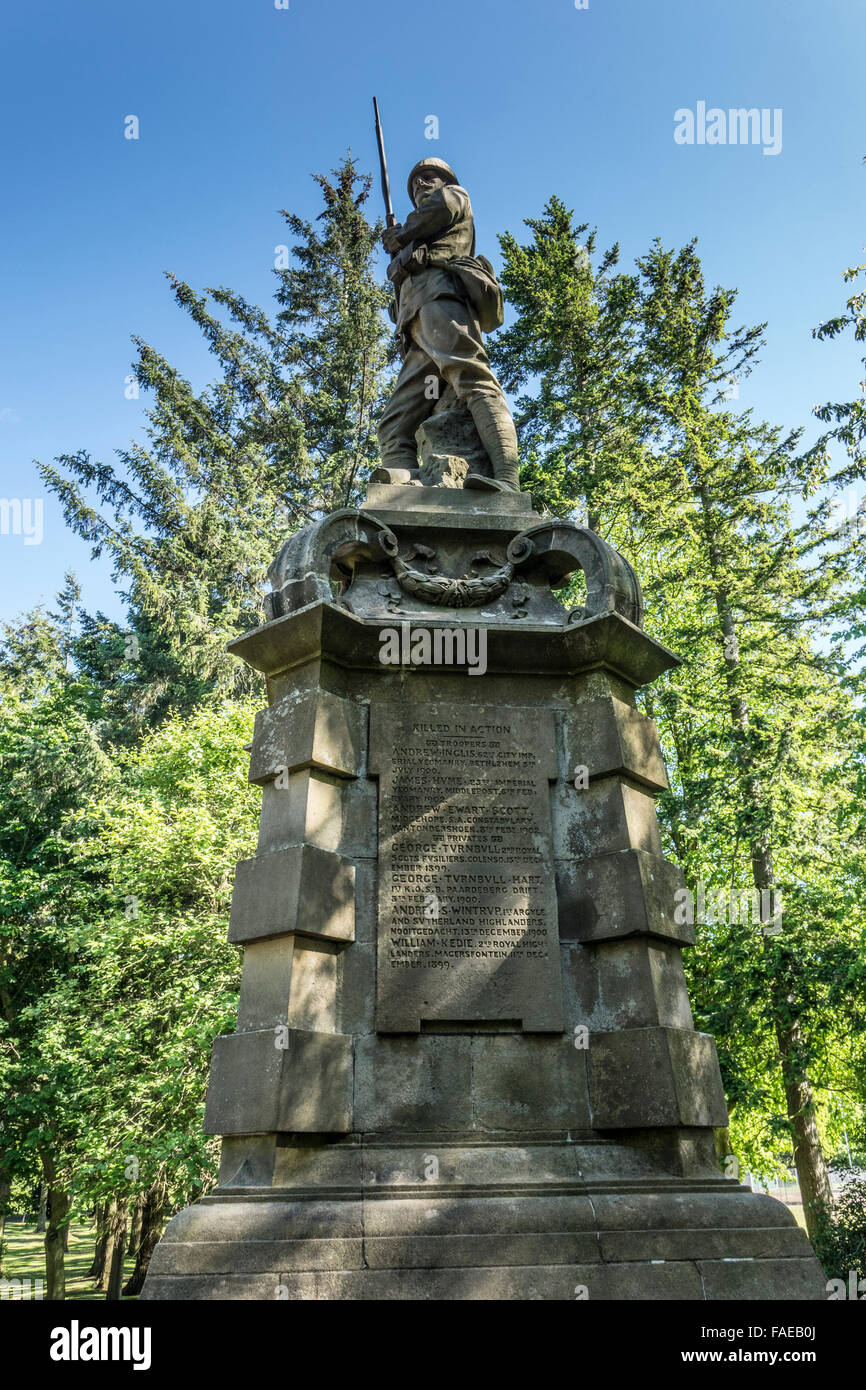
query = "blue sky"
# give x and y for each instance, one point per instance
(239, 102)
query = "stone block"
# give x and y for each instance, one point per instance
(607, 816)
(289, 980)
(313, 1004)
(532, 1083)
(301, 889)
(219, 1221)
(308, 1162)
(486, 1162)
(246, 1160)
(258, 1086)
(357, 994)
(439, 1214)
(307, 729)
(366, 903)
(728, 1207)
(266, 983)
(253, 1257)
(359, 807)
(305, 809)
(461, 1250)
(413, 1083)
(608, 736)
(630, 893)
(649, 1078)
(795, 1280)
(641, 984)
(708, 1244)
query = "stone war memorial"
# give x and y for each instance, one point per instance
(465, 1065)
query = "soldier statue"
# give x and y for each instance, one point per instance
(444, 298)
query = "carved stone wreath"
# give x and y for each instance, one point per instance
(465, 591)
(313, 559)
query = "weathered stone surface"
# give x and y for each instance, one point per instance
(266, 1082)
(609, 736)
(630, 893)
(430, 1216)
(456, 1250)
(640, 983)
(467, 509)
(307, 730)
(645, 1078)
(728, 1208)
(450, 446)
(325, 631)
(305, 809)
(249, 1256)
(467, 913)
(245, 1161)
(289, 980)
(529, 1083)
(300, 889)
(416, 1083)
(750, 1243)
(567, 1282)
(482, 1160)
(795, 1281)
(357, 998)
(607, 816)
(439, 1215)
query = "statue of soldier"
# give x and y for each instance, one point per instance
(444, 298)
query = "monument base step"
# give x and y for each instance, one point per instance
(687, 1242)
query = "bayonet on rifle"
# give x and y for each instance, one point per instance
(390, 219)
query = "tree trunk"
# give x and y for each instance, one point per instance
(812, 1175)
(722, 1146)
(135, 1225)
(110, 1228)
(118, 1250)
(42, 1215)
(55, 1259)
(97, 1267)
(152, 1222)
(5, 1189)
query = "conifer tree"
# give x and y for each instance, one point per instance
(700, 502)
(192, 518)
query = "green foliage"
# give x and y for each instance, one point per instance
(574, 342)
(627, 421)
(115, 974)
(192, 518)
(841, 1241)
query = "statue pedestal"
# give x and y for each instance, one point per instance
(465, 1065)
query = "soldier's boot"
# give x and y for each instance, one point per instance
(497, 433)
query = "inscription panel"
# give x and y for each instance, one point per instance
(467, 901)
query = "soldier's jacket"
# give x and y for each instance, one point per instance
(441, 228)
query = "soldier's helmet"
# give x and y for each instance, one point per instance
(432, 166)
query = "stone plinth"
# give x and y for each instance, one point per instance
(465, 1065)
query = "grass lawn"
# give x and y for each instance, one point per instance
(25, 1257)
